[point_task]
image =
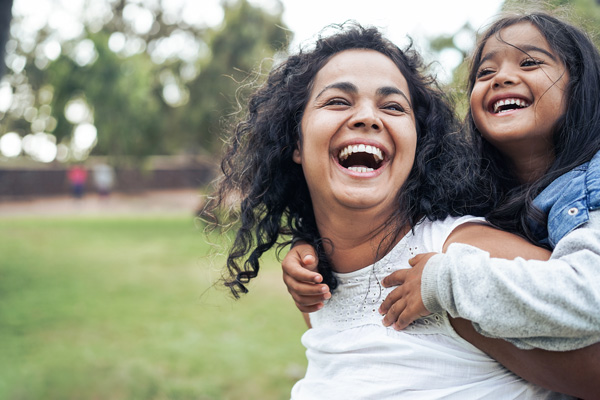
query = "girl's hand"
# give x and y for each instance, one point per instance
(404, 304)
(303, 282)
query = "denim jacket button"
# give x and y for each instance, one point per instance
(573, 211)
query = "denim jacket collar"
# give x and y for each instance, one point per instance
(567, 202)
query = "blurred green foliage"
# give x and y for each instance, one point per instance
(147, 105)
(142, 103)
(243, 46)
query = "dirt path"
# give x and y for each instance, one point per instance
(184, 201)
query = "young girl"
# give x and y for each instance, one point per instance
(534, 91)
(347, 147)
(535, 108)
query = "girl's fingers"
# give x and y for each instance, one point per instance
(390, 300)
(394, 312)
(299, 273)
(419, 257)
(303, 286)
(395, 278)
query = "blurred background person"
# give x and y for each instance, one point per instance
(77, 176)
(104, 179)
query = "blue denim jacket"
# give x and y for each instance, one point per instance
(567, 201)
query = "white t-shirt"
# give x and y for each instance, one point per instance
(351, 355)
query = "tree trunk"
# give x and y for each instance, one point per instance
(5, 17)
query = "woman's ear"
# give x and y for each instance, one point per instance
(297, 155)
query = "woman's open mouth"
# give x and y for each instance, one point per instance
(361, 157)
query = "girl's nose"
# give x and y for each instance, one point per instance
(504, 77)
(505, 82)
(365, 117)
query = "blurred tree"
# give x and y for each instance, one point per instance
(247, 36)
(121, 95)
(5, 16)
(582, 13)
(138, 79)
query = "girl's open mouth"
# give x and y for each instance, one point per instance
(510, 104)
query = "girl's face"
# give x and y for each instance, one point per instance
(519, 92)
(358, 134)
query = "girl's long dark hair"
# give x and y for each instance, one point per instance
(576, 135)
(260, 176)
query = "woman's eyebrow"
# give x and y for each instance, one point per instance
(388, 90)
(343, 86)
(349, 87)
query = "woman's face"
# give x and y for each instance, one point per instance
(519, 92)
(358, 134)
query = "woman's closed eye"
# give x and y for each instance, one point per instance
(394, 107)
(337, 101)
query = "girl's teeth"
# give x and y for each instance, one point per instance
(518, 102)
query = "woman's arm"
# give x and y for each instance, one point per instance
(576, 372)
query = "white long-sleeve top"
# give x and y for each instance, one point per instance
(351, 355)
(552, 305)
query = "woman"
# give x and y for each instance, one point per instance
(349, 147)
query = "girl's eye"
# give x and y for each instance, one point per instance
(530, 62)
(483, 72)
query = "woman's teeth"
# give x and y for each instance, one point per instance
(360, 158)
(361, 148)
(360, 169)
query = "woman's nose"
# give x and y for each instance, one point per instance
(365, 117)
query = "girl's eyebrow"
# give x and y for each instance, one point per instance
(526, 49)
(351, 88)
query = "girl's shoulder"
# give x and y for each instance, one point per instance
(568, 200)
(592, 182)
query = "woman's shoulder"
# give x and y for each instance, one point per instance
(433, 234)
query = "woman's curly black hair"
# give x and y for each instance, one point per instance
(259, 173)
(576, 136)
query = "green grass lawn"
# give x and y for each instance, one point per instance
(119, 308)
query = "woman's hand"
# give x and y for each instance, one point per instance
(404, 304)
(302, 279)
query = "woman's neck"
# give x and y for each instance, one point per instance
(356, 239)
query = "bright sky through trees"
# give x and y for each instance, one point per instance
(421, 20)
